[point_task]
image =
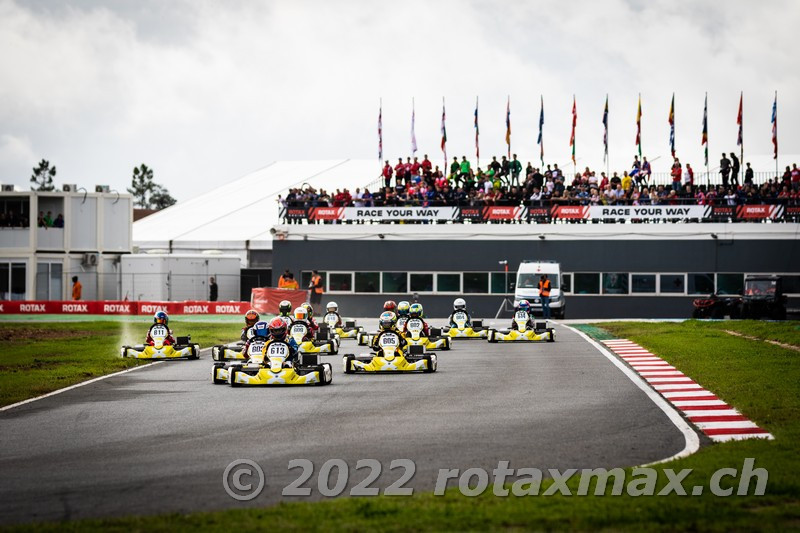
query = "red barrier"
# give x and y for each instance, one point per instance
(123, 308)
(266, 300)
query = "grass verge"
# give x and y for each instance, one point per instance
(760, 379)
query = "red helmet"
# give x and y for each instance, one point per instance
(389, 305)
(251, 317)
(277, 328)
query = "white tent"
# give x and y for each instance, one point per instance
(238, 215)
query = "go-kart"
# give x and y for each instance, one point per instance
(363, 338)
(182, 349)
(268, 366)
(415, 337)
(539, 333)
(229, 352)
(349, 331)
(462, 331)
(322, 342)
(220, 371)
(390, 358)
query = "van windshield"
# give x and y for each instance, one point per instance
(530, 280)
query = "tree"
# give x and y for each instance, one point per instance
(141, 185)
(160, 198)
(43, 176)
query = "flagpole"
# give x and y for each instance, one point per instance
(705, 116)
(380, 134)
(777, 172)
(741, 147)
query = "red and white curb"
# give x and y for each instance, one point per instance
(704, 409)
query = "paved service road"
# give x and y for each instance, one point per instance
(158, 439)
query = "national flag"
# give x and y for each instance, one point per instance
(704, 141)
(380, 132)
(574, 122)
(444, 136)
(413, 134)
(740, 120)
(540, 141)
(672, 126)
(639, 126)
(605, 130)
(477, 132)
(775, 125)
(508, 125)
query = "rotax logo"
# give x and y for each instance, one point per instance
(74, 308)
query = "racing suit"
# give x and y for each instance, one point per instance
(426, 331)
(251, 340)
(528, 324)
(338, 318)
(313, 327)
(243, 336)
(376, 346)
(468, 323)
(170, 340)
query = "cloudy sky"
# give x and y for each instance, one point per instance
(204, 92)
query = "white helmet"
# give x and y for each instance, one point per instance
(332, 307)
(459, 304)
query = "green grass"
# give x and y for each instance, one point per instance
(760, 379)
(38, 358)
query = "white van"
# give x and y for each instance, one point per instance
(527, 287)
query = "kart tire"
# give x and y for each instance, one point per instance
(448, 343)
(124, 351)
(347, 364)
(325, 372)
(491, 336)
(552, 337)
(195, 354)
(334, 348)
(214, 379)
(431, 363)
(232, 377)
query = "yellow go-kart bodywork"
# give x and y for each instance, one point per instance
(299, 331)
(269, 367)
(390, 358)
(414, 337)
(349, 331)
(523, 333)
(228, 352)
(462, 331)
(182, 349)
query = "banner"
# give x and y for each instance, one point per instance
(763, 211)
(267, 299)
(499, 212)
(400, 213)
(294, 213)
(123, 307)
(471, 213)
(540, 214)
(326, 213)
(649, 212)
(570, 211)
(723, 212)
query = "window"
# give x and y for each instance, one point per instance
(791, 284)
(615, 283)
(672, 283)
(730, 283)
(530, 280)
(14, 212)
(48, 281)
(476, 282)
(701, 283)
(395, 282)
(448, 282)
(421, 282)
(566, 284)
(587, 283)
(643, 283)
(305, 279)
(340, 281)
(12, 281)
(498, 279)
(368, 281)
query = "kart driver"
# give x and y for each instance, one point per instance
(333, 308)
(301, 316)
(312, 324)
(260, 333)
(523, 305)
(160, 318)
(387, 324)
(415, 311)
(285, 312)
(389, 305)
(460, 306)
(402, 313)
(250, 319)
(277, 332)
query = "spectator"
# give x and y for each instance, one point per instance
(59, 221)
(795, 177)
(212, 289)
(516, 169)
(40, 221)
(284, 279)
(646, 170)
(688, 176)
(291, 283)
(399, 172)
(315, 288)
(464, 170)
(387, 174)
(735, 166)
(676, 175)
(748, 175)
(77, 288)
(725, 169)
(426, 167)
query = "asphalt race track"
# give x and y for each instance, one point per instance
(159, 439)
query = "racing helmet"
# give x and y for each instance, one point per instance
(387, 320)
(459, 304)
(308, 308)
(402, 308)
(285, 308)
(332, 307)
(389, 305)
(277, 329)
(524, 305)
(260, 329)
(161, 318)
(415, 311)
(251, 317)
(300, 313)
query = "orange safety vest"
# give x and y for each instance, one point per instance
(316, 282)
(544, 288)
(76, 290)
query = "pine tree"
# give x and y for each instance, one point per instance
(141, 185)
(43, 176)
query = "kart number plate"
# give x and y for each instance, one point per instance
(256, 348)
(330, 319)
(460, 317)
(278, 350)
(298, 330)
(159, 331)
(521, 316)
(415, 324)
(389, 340)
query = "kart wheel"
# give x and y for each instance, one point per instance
(347, 364)
(491, 336)
(334, 348)
(552, 335)
(214, 379)
(430, 359)
(325, 374)
(232, 377)
(215, 352)
(124, 351)
(448, 343)
(195, 352)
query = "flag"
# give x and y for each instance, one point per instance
(605, 131)
(739, 120)
(380, 132)
(672, 126)
(508, 126)
(639, 125)
(477, 132)
(444, 137)
(574, 122)
(705, 129)
(540, 142)
(413, 135)
(775, 125)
